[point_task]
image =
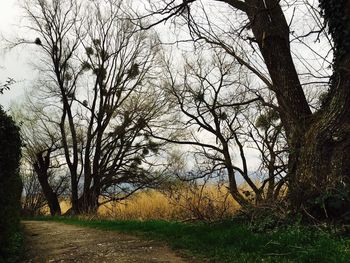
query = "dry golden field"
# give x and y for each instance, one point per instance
(205, 203)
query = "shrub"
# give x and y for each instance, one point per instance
(10, 188)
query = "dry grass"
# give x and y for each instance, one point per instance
(65, 205)
(204, 203)
(183, 203)
(142, 205)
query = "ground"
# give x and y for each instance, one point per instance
(57, 242)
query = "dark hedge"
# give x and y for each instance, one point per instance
(10, 189)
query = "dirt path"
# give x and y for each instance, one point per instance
(57, 242)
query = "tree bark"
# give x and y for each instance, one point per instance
(319, 161)
(88, 202)
(323, 169)
(51, 198)
(41, 167)
(271, 32)
(321, 183)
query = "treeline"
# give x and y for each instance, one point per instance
(115, 110)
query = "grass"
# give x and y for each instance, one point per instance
(232, 241)
(209, 203)
(14, 252)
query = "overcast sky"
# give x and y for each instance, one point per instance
(14, 63)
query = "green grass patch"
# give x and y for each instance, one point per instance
(13, 252)
(233, 242)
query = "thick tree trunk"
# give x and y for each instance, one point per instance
(319, 165)
(51, 198)
(271, 32)
(88, 202)
(319, 144)
(41, 167)
(321, 183)
(322, 178)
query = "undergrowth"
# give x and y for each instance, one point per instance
(13, 253)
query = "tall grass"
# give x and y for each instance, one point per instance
(206, 202)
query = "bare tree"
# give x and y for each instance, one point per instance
(55, 22)
(318, 165)
(33, 200)
(266, 133)
(215, 99)
(98, 72)
(41, 158)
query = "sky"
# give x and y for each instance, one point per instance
(13, 63)
(16, 63)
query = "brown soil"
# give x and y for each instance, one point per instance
(57, 242)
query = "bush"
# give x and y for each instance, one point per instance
(10, 189)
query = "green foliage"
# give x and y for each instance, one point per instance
(338, 22)
(37, 41)
(223, 116)
(232, 241)
(89, 51)
(10, 188)
(268, 218)
(334, 203)
(100, 72)
(265, 121)
(97, 42)
(334, 13)
(199, 97)
(134, 71)
(86, 66)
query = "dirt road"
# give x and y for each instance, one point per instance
(57, 242)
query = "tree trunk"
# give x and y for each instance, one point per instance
(321, 183)
(88, 202)
(319, 143)
(51, 198)
(72, 164)
(271, 32)
(41, 167)
(319, 163)
(322, 178)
